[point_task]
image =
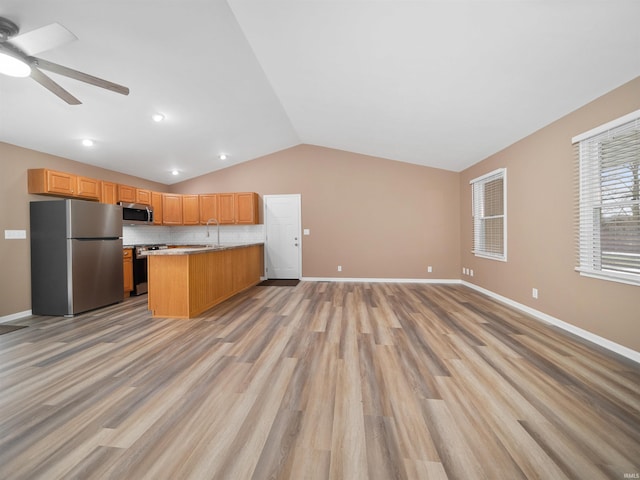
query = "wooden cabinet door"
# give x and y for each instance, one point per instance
(89, 188)
(50, 182)
(246, 207)
(226, 208)
(143, 196)
(126, 194)
(171, 209)
(109, 193)
(59, 182)
(156, 203)
(208, 207)
(190, 210)
(127, 268)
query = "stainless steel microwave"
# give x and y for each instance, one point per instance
(136, 214)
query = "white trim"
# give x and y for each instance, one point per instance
(497, 172)
(14, 316)
(607, 126)
(591, 337)
(627, 279)
(500, 258)
(380, 280)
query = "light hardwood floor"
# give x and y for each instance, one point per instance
(319, 381)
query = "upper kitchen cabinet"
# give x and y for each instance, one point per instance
(246, 207)
(143, 196)
(109, 193)
(50, 182)
(238, 208)
(156, 203)
(126, 194)
(208, 203)
(190, 210)
(226, 208)
(129, 194)
(88, 188)
(171, 209)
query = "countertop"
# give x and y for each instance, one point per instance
(193, 249)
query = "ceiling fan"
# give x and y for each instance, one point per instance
(16, 58)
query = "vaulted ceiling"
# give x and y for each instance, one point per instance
(439, 83)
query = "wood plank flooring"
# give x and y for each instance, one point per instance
(318, 381)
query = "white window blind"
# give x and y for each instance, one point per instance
(608, 204)
(490, 215)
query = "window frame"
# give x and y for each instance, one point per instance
(589, 165)
(479, 221)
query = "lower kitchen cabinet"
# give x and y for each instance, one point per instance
(185, 285)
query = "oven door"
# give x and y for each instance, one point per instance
(139, 272)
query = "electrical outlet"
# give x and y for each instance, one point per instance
(429, 269)
(306, 231)
(534, 293)
(339, 268)
(464, 271)
(471, 272)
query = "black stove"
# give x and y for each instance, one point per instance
(140, 266)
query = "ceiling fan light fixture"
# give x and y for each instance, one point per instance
(13, 66)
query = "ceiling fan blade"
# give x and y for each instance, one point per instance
(43, 38)
(53, 87)
(83, 77)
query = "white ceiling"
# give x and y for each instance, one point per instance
(439, 83)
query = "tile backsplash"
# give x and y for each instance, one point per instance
(143, 234)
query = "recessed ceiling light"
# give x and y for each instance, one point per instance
(157, 117)
(175, 172)
(87, 142)
(222, 156)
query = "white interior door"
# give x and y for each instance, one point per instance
(283, 244)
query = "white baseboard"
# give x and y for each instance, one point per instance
(15, 316)
(380, 280)
(591, 337)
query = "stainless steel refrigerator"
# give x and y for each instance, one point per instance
(76, 256)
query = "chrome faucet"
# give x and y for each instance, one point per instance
(217, 229)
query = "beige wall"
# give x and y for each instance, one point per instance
(541, 188)
(377, 218)
(385, 219)
(15, 280)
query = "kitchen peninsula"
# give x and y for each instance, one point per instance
(184, 282)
